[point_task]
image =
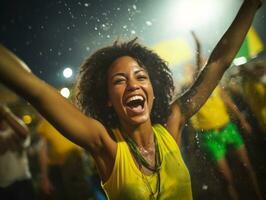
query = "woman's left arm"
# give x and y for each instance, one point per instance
(220, 59)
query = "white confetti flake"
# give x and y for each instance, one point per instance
(204, 187)
(148, 23)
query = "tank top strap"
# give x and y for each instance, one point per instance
(164, 138)
(117, 135)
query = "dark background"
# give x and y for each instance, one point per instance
(51, 35)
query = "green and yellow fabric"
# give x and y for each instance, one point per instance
(251, 46)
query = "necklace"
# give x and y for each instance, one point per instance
(143, 162)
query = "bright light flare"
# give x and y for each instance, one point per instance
(191, 14)
(65, 92)
(27, 119)
(240, 61)
(67, 72)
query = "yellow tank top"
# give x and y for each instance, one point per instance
(127, 181)
(213, 113)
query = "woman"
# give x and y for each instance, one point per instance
(134, 139)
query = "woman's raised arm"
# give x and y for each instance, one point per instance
(73, 124)
(220, 59)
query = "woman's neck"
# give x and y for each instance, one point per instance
(142, 134)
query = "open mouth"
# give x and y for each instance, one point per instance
(135, 103)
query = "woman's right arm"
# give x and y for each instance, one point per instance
(73, 124)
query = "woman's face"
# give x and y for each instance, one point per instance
(130, 91)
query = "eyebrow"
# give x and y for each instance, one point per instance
(118, 74)
(140, 70)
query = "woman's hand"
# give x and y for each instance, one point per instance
(258, 3)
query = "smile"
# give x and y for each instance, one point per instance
(135, 104)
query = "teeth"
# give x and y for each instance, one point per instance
(134, 98)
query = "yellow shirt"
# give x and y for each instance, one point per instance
(58, 146)
(255, 95)
(127, 181)
(213, 113)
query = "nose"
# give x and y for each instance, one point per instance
(132, 85)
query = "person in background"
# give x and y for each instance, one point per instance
(15, 176)
(254, 90)
(215, 132)
(61, 165)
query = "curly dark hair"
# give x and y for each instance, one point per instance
(92, 95)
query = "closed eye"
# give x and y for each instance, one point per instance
(118, 81)
(142, 77)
